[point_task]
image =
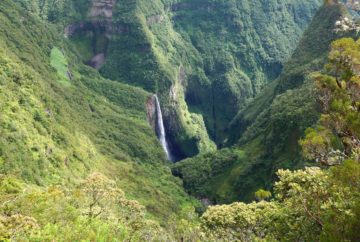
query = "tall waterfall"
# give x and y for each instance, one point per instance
(160, 129)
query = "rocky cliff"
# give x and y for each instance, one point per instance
(102, 9)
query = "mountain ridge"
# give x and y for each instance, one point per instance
(264, 137)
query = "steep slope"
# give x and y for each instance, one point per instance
(205, 59)
(217, 75)
(266, 132)
(60, 120)
(309, 55)
(243, 45)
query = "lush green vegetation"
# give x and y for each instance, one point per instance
(240, 52)
(336, 137)
(95, 210)
(207, 54)
(55, 134)
(59, 62)
(80, 162)
(199, 175)
(267, 130)
(57, 10)
(160, 46)
(311, 204)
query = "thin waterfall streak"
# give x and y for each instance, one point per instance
(161, 133)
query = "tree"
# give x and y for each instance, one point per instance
(239, 221)
(96, 210)
(99, 193)
(309, 205)
(16, 227)
(337, 135)
(262, 195)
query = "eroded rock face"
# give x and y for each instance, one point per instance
(155, 19)
(99, 18)
(97, 61)
(99, 24)
(102, 9)
(151, 111)
(72, 29)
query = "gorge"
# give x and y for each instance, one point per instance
(159, 50)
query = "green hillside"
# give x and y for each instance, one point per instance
(264, 135)
(179, 120)
(60, 120)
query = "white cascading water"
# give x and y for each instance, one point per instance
(161, 129)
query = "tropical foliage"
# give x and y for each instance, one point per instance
(267, 130)
(95, 209)
(311, 204)
(80, 162)
(337, 137)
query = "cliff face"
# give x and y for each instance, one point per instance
(205, 59)
(96, 30)
(102, 9)
(151, 111)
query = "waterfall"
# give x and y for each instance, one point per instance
(160, 129)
